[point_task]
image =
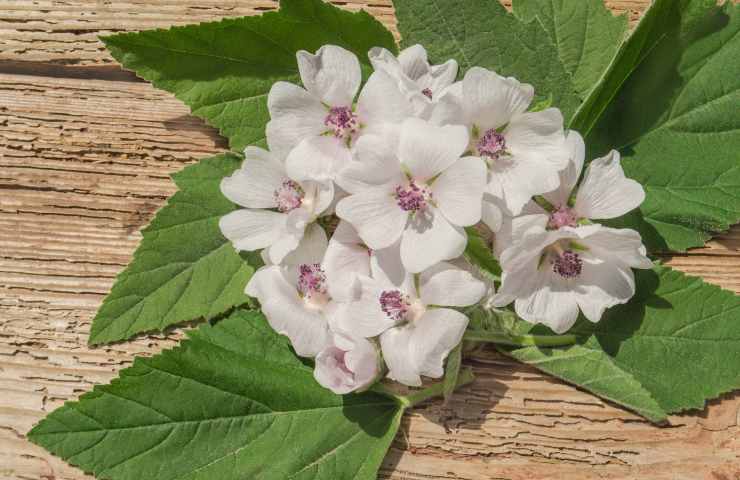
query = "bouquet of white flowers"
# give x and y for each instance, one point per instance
(504, 179)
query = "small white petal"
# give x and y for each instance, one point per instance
(491, 212)
(430, 238)
(569, 176)
(317, 158)
(441, 77)
(458, 191)
(397, 355)
(333, 74)
(382, 102)
(295, 114)
(311, 247)
(538, 136)
(343, 263)
(413, 61)
(606, 192)
(375, 215)
(447, 285)
(386, 267)
(622, 245)
(348, 365)
(375, 163)
(254, 184)
(364, 317)
(520, 180)
(252, 229)
(552, 302)
(491, 101)
(602, 285)
(433, 336)
(513, 229)
(427, 150)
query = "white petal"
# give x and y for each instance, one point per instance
(364, 317)
(448, 109)
(384, 60)
(458, 191)
(333, 74)
(513, 229)
(437, 332)
(317, 158)
(318, 199)
(622, 245)
(252, 229)
(386, 267)
(426, 149)
(551, 303)
(490, 100)
(375, 163)
(569, 176)
(413, 61)
(375, 215)
(442, 76)
(429, 238)
(397, 355)
(538, 136)
(254, 184)
(446, 285)
(346, 233)
(491, 212)
(521, 179)
(350, 364)
(603, 285)
(310, 248)
(606, 192)
(295, 114)
(362, 359)
(381, 101)
(285, 312)
(342, 263)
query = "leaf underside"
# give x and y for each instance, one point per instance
(231, 402)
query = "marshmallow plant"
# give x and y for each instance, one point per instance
(383, 214)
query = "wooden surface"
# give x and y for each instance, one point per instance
(85, 154)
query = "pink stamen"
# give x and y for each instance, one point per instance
(288, 196)
(427, 92)
(342, 122)
(567, 264)
(311, 280)
(412, 198)
(394, 304)
(562, 217)
(492, 144)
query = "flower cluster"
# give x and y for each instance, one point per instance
(360, 207)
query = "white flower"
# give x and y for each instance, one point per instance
(417, 189)
(296, 303)
(416, 333)
(279, 212)
(604, 193)
(315, 127)
(523, 150)
(551, 274)
(421, 82)
(348, 364)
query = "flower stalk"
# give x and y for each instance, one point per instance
(520, 340)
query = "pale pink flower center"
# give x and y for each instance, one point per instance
(339, 357)
(567, 264)
(492, 144)
(311, 280)
(413, 198)
(395, 304)
(427, 92)
(342, 122)
(289, 196)
(562, 217)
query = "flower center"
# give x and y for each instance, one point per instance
(567, 264)
(395, 304)
(427, 92)
(562, 217)
(289, 196)
(342, 122)
(492, 144)
(311, 281)
(413, 198)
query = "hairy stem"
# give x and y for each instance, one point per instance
(520, 340)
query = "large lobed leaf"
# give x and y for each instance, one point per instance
(669, 102)
(481, 33)
(224, 70)
(679, 338)
(184, 268)
(231, 402)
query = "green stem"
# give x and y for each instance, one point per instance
(521, 340)
(542, 202)
(414, 398)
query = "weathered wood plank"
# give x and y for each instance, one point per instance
(84, 164)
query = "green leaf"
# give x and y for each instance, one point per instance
(224, 70)
(585, 33)
(184, 268)
(595, 371)
(232, 402)
(480, 254)
(678, 337)
(481, 33)
(452, 371)
(669, 103)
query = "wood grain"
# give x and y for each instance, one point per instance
(85, 154)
